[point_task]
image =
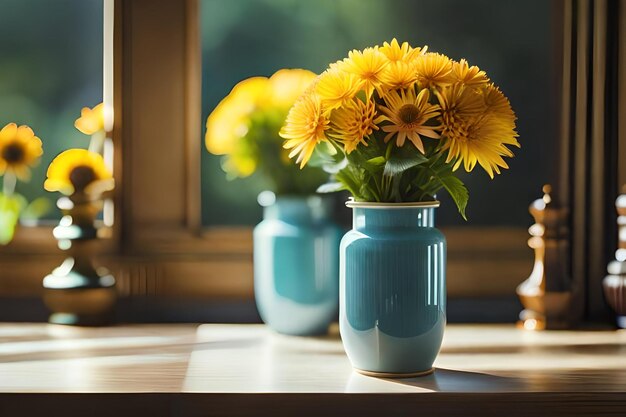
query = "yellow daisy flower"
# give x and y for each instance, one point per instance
(304, 128)
(19, 149)
(336, 87)
(368, 66)
(433, 70)
(229, 120)
(472, 76)
(78, 171)
(474, 131)
(239, 164)
(353, 123)
(408, 115)
(286, 85)
(396, 52)
(458, 105)
(497, 104)
(91, 120)
(398, 75)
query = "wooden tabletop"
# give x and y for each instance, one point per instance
(248, 370)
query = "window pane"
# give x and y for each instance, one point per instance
(51, 67)
(511, 40)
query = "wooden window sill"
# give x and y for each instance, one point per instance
(233, 370)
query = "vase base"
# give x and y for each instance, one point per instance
(70, 319)
(395, 374)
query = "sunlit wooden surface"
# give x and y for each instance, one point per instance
(235, 368)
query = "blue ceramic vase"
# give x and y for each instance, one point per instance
(296, 265)
(392, 310)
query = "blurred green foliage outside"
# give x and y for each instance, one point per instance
(50, 67)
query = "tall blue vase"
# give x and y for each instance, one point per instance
(296, 265)
(392, 289)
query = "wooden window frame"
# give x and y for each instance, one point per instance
(158, 249)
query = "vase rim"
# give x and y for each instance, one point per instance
(377, 205)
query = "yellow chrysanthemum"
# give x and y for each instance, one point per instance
(239, 164)
(234, 126)
(477, 132)
(19, 149)
(286, 85)
(458, 105)
(409, 115)
(398, 75)
(433, 70)
(78, 171)
(497, 104)
(304, 128)
(229, 120)
(396, 52)
(472, 76)
(368, 65)
(335, 87)
(91, 120)
(353, 123)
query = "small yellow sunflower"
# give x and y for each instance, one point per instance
(353, 123)
(19, 150)
(335, 87)
(78, 171)
(305, 127)
(477, 129)
(409, 115)
(91, 120)
(396, 52)
(472, 76)
(433, 70)
(368, 65)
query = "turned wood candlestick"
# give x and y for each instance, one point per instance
(546, 295)
(615, 282)
(77, 292)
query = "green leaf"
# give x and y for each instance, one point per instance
(350, 177)
(324, 154)
(8, 223)
(37, 209)
(379, 160)
(14, 202)
(396, 166)
(457, 191)
(10, 208)
(330, 187)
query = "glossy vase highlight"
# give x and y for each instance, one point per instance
(392, 289)
(296, 265)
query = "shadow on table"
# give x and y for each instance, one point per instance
(599, 348)
(449, 380)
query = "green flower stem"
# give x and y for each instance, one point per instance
(8, 183)
(96, 144)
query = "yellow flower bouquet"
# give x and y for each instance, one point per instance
(394, 123)
(244, 129)
(20, 150)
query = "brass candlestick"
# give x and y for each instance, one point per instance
(545, 294)
(615, 282)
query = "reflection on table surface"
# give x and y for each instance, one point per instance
(214, 358)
